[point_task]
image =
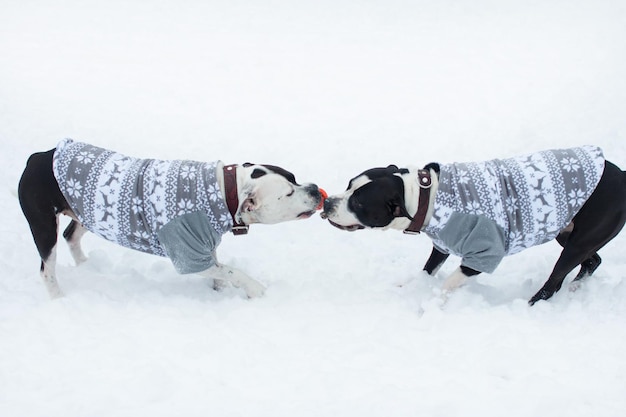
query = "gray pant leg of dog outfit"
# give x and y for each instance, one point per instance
(167, 208)
(486, 210)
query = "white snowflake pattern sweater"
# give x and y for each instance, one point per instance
(486, 210)
(167, 208)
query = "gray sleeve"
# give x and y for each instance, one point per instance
(189, 241)
(477, 239)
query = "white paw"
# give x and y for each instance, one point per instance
(254, 289)
(80, 259)
(55, 293)
(219, 285)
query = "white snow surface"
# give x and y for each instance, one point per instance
(349, 326)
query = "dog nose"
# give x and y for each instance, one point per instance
(329, 206)
(312, 190)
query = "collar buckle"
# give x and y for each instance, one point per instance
(240, 230)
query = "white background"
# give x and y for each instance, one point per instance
(326, 89)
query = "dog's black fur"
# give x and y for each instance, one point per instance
(42, 201)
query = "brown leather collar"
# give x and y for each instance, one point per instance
(232, 198)
(423, 176)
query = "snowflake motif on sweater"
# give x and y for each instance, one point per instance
(530, 199)
(129, 200)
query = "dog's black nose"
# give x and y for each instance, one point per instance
(329, 205)
(312, 190)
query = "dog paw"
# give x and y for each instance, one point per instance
(219, 285)
(55, 294)
(542, 294)
(80, 260)
(254, 289)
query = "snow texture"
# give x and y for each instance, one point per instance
(349, 325)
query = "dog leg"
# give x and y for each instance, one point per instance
(44, 227)
(48, 274)
(41, 201)
(434, 262)
(44, 230)
(587, 268)
(567, 261)
(454, 281)
(72, 234)
(239, 279)
(218, 284)
(458, 278)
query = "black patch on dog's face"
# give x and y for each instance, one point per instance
(257, 173)
(375, 173)
(379, 202)
(276, 170)
(282, 172)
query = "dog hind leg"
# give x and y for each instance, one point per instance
(72, 234)
(571, 256)
(599, 220)
(587, 267)
(44, 230)
(41, 201)
(434, 262)
(48, 274)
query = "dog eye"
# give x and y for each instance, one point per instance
(291, 193)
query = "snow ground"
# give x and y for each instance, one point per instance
(326, 89)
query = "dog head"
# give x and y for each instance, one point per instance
(373, 199)
(270, 194)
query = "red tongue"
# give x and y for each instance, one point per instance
(324, 197)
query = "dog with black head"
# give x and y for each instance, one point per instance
(483, 211)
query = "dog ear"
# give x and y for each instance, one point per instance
(258, 172)
(247, 164)
(393, 169)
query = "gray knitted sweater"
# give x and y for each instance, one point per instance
(167, 208)
(486, 210)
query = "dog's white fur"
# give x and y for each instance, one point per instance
(268, 199)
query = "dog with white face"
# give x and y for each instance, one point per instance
(483, 211)
(173, 208)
